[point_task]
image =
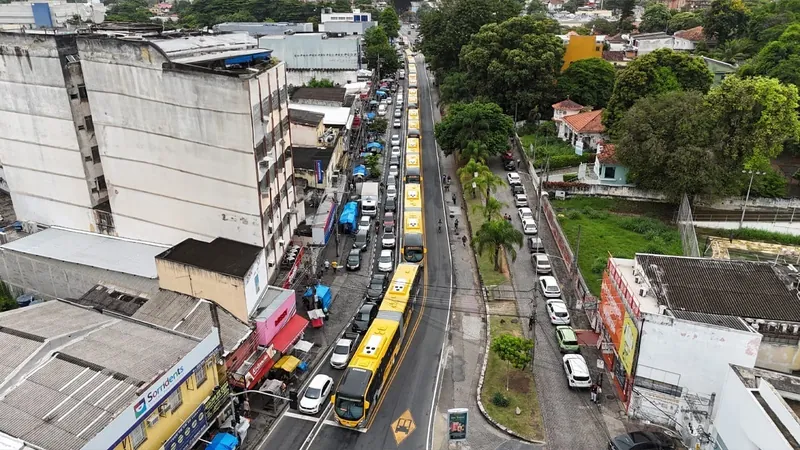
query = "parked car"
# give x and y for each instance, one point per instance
(513, 178)
(362, 239)
(388, 240)
(567, 339)
(529, 226)
(390, 204)
(642, 440)
(354, 259)
(395, 139)
(525, 213)
(395, 151)
(394, 170)
(577, 371)
(386, 261)
(509, 164)
(364, 317)
(541, 262)
(316, 394)
(388, 219)
(520, 200)
(341, 353)
(549, 287)
(535, 244)
(557, 312)
(391, 181)
(517, 189)
(397, 123)
(377, 286)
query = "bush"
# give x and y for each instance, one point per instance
(770, 185)
(500, 400)
(644, 225)
(574, 214)
(751, 234)
(570, 177)
(599, 265)
(565, 185)
(559, 161)
(594, 214)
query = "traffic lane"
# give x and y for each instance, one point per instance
(288, 434)
(570, 421)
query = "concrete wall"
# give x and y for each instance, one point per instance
(340, 77)
(315, 51)
(650, 45)
(226, 291)
(39, 145)
(581, 47)
(305, 135)
(779, 357)
(255, 281)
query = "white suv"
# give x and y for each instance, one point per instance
(577, 371)
(549, 287)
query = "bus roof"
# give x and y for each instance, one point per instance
(412, 240)
(399, 292)
(354, 382)
(413, 198)
(412, 145)
(412, 221)
(413, 114)
(373, 346)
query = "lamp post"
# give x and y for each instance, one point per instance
(474, 184)
(752, 173)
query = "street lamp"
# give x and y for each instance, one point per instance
(749, 186)
(474, 184)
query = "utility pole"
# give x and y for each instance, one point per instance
(577, 252)
(749, 186)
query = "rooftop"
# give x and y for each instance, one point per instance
(614, 55)
(586, 122)
(182, 45)
(732, 322)
(91, 249)
(692, 34)
(71, 389)
(304, 157)
(272, 298)
(171, 310)
(303, 117)
(333, 115)
(607, 154)
(626, 267)
(745, 289)
(568, 105)
(647, 36)
(334, 94)
(221, 255)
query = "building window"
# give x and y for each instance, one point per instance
(96, 154)
(89, 123)
(101, 183)
(138, 435)
(175, 399)
(82, 92)
(610, 172)
(200, 375)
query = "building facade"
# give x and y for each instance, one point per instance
(50, 15)
(316, 55)
(350, 23)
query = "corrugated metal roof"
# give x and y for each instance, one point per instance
(51, 319)
(333, 115)
(732, 322)
(94, 250)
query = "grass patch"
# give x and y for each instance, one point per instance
(521, 393)
(490, 276)
(609, 225)
(751, 234)
(546, 145)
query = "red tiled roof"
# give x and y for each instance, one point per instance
(608, 154)
(692, 34)
(568, 105)
(588, 122)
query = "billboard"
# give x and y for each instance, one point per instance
(612, 311)
(627, 349)
(457, 423)
(189, 432)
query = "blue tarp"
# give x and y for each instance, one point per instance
(370, 116)
(380, 93)
(374, 145)
(360, 170)
(348, 218)
(223, 441)
(323, 294)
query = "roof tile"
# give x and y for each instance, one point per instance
(568, 105)
(692, 34)
(587, 122)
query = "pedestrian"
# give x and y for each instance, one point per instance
(464, 240)
(448, 179)
(447, 188)
(593, 391)
(454, 199)
(455, 222)
(246, 407)
(335, 266)
(444, 179)
(327, 265)
(519, 161)
(530, 323)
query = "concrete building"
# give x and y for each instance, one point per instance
(756, 408)
(307, 127)
(316, 55)
(581, 47)
(583, 130)
(258, 29)
(137, 171)
(720, 69)
(352, 23)
(684, 40)
(333, 97)
(50, 15)
(74, 378)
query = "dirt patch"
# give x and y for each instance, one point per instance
(502, 307)
(518, 381)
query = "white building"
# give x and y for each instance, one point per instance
(583, 130)
(191, 138)
(351, 23)
(264, 28)
(683, 40)
(316, 55)
(757, 409)
(49, 14)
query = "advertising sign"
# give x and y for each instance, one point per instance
(457, 420)
(318, 170)
(612, 312)
(218, 399)
(630, 335)
(189, 432)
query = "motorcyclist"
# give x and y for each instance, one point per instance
(440, 225)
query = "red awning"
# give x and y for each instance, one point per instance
(290, 333)
(260, 368)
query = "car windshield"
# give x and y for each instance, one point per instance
(570, 342)
(349, 409)
(341, 349)
(385, 258)
(313, 393)
(562, 314)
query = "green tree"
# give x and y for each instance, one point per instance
(466, 174)
(772, 184)
(655, 18)
(655, 73)
(373, 165)
(7, 300)
(129, 11)
(536, 8)
(323, 83)
(379, 51)
(684, 21)
(769, 19)
(481, 122)
(390, 22)
(600, 25)
(573, 5)
(725, 19)
(734, 50)
(588, 82)
(625, 11)
(495, 235)
(448, 28)
(666, 142)
(779, 59)
(491, 209)
(488, 182)
(455, 87)
(754, 117)
(378, 125)
(514, 350)
(515, 64)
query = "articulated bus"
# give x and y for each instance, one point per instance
(412, 97)
(364, 379)
(413, 227)
(413, 161)
(412, 79)
(413, 128)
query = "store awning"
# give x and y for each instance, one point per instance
(290, 333)
(288, 363)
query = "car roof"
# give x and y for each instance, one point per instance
(355, 251)
(386, 252)
(541, 256)
(548, 279)
(520, 195)
(567, 331)
(344, 341)
(557, 303)
(577, 363)
(319, 380)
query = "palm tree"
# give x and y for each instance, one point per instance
(496, 234)
(466, 174)
(475, 150)
(488, 182)
(491, 210)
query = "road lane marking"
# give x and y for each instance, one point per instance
(403, 426)
(333, 423)
(295, 415)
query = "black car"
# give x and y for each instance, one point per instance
(509, 164)
(517, 189)
(354, 259)
(364, 317)
(390, 204)
(642, 440)
(377, 286)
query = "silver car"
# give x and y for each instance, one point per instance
(386, 261)
(393, 170)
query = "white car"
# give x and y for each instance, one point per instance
(395, 151)
(513, 178)
(529, 227)
(395, 139)
(398, 123)
(398, 113)
(525, 214)
(520, 200)
(557, 311)
(364, 222)
(549, 287)
(341, 353)
(386, 261)
(391, 191)
(541, 263)
(393, 170)
(577, 371)
(316, 395)
(388, 240)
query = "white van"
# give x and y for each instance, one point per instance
(402, 74)
(382, 110)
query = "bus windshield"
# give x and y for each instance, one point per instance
(413, 254)
(348, 408)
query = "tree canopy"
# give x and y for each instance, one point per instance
(515, 350)
(321, 83)
(483, 123)
(390, 22)
(725, 19)
(684, 21)
(379, 51)
(129, 11)
(655, 18)
(588, 82)
(655, 73)
(495, 235)
(779, 59)
(210, 12)
(515, 63)
(600, 25)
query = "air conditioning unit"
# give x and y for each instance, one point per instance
(271, 263)
(163, 409)
(643, 291)
(784, 327)
(281, 242)
(152, 420)
(637, 279)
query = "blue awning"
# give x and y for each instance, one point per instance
(374, 145)
(223, 441)
(360, 170)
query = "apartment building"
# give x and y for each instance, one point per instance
(159, 139)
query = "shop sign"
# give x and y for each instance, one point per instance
(612, 312)
(218, 399)
(627, 349)
(189, 432)
(622, 287)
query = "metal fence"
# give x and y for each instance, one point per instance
(686, 227)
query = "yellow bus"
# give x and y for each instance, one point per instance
(412, 78)
(412, 98)
(413, 242)
(413, 114)
(413, 128)
(365, 376)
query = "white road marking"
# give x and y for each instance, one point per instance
(295, 415)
